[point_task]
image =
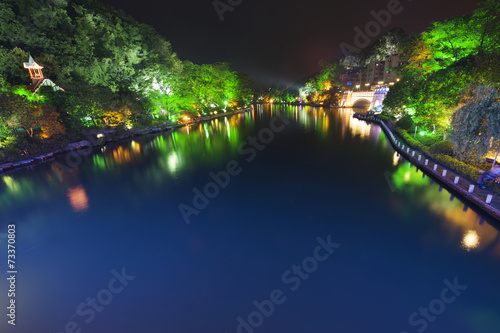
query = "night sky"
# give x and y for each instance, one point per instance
(277, 40)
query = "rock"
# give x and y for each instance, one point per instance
(6, 166)
(80, 144)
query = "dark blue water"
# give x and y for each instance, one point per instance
(320, 228)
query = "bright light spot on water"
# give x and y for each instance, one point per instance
(407, 176)
(78, 198)
(206, 130)
(172, 162)
(228, 129)
(395, 158)
(470, 240)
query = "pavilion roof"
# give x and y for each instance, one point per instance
(31, 63)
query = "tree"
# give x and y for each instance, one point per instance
(452, 39)
(487, 20)
(385, 46)
(87, 105)
(476, 124)
(418, 54)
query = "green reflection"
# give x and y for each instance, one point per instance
(465, 228)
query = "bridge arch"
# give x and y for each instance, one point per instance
(364, 99)
(361, 103)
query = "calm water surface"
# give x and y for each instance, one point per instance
(107, 249)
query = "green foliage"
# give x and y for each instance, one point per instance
(405, 122)
(465, 169)
(410, 140)
(385, 117)
(429, 139)
(28, 95)
(443, 147)
(442, 61)
(431, 100)
(323, 88)
(114, 70)
(205, 88)
(451, 40)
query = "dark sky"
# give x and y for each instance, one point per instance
(277, 40)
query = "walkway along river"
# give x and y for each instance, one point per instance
(486, 200)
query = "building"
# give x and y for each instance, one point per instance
(375, 75)
(37, 78)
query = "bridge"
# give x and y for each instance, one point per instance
(370, 100)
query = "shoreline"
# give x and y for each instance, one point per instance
(93, 142)
(445, 176)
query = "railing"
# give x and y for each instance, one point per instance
(422, 162)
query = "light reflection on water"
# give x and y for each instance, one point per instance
(167, 155)
(323, 173)
(463, 226)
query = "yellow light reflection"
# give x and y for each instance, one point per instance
(407, 176)
(136, 147)
(395, 158)
(470, 240)
(78, 198)
(121, 155)
(359, 127)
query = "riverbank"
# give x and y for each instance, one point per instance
(103, 137)
(486, 200)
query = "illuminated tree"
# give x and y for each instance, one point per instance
(418, 55)
(452, 40)
(487, 20)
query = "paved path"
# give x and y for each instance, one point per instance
(442, 174)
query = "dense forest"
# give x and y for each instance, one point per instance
(115, 72)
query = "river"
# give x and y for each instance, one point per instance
(281, 219)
